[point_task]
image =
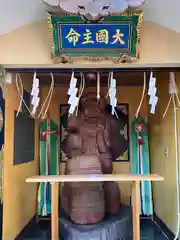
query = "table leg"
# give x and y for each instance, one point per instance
(136, 210)
(54, 212)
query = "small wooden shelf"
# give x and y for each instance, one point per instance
(134, 178)
(96, 178)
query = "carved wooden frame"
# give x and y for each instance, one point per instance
(59, 56)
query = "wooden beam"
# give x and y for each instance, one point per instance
(91, 65)
(62, 79)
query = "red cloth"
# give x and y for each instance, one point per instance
(44, 134)
(140, 141)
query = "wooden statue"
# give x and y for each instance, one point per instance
(89, 149)
(83, 202)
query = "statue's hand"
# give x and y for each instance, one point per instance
(73, 124)
(72, 144)
(103, 137)
(107, 135)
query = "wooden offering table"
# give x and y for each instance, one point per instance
(134, 178)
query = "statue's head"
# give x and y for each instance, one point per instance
(91, 106)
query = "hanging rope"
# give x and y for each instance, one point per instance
(142, 97)
(174, 93)
(165, 112)
(21, 93)
(82, 85)
(49, 96)
(109, 77)
(20, 89)
(98, 85)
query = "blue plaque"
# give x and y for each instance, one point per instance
(95, 36)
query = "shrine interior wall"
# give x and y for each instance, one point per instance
(19, 198)
(130, 95)
(161, 139)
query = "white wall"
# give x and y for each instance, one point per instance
(18, 13)
(163, 12)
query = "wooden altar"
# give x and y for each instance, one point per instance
(135, 179)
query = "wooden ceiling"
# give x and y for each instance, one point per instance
(122, 78)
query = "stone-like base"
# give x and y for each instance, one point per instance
(113, 227)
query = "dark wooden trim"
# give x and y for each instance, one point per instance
(164, 228)
(113, 68)
(33, 219)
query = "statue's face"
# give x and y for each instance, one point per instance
(91, 106)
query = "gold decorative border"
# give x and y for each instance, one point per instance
(125, 14)
(50, 33)
(138, 28)
(123, 58)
